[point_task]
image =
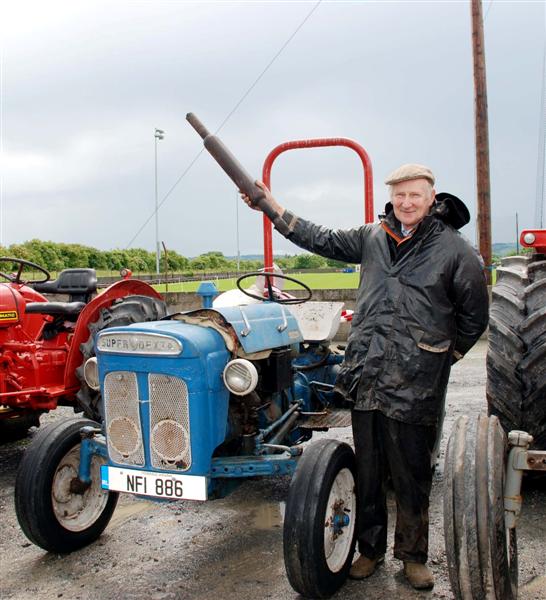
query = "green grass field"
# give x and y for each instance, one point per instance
(316, 281)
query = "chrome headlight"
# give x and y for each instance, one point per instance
(91, 373)
(240, 376)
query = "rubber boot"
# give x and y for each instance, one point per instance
(419, 576)
(364, 567)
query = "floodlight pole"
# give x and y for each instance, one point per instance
(159, 134)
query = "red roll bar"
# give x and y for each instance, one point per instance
(321, 142)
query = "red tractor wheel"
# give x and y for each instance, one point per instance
(14, 425)
(125, 311)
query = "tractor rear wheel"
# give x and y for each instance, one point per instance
(124, 311)
(516, 358)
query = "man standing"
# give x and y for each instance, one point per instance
(421, 305)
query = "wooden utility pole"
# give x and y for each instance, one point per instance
(482, 137)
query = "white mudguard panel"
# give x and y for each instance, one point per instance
(318, 321)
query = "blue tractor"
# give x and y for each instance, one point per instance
(198, 402)
(193, 405)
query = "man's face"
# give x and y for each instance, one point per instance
(411, 201)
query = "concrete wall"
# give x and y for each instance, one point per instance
(183, 301)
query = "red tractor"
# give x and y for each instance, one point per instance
(44, 344)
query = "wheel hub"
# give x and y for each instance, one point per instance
(340, 520)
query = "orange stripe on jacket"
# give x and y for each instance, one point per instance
(393, 235)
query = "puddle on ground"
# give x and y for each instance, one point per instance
(126, 511)
(268, 516)
(537, 584)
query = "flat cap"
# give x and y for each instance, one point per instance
(408, 172)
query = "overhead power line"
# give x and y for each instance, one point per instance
(228, 116)
(488, 9)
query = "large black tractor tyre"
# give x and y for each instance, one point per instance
(125, 311)
(481, 552)
(516, 358)
(319, 523)
(53, 511)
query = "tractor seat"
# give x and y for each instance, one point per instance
(68, 310)
(79, 284)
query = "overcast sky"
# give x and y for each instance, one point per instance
(84, 84)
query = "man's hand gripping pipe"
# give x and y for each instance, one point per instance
(237, 173)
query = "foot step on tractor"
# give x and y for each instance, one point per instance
(44, 344)
(487, 459)
(202, 401)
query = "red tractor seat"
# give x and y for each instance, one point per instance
(79, 284)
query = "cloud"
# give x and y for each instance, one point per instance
(84, 86)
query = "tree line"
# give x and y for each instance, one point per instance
(55, 256)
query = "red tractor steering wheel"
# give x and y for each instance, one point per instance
(16, 278)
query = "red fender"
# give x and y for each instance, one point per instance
(120, 289)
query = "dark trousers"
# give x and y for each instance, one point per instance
(384, 446)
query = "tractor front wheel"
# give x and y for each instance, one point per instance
(125, 311)
(55, 512)
(481, 551)
(319, 524)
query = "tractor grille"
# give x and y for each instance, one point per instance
(124, 434)
(170, 447)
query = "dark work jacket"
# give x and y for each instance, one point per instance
(415, 310)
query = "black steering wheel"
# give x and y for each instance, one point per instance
(270, 291)
(16, 278)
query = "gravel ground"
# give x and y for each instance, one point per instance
(232, 547)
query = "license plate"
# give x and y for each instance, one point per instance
(160, 485)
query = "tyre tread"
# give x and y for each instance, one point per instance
(516, 358)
